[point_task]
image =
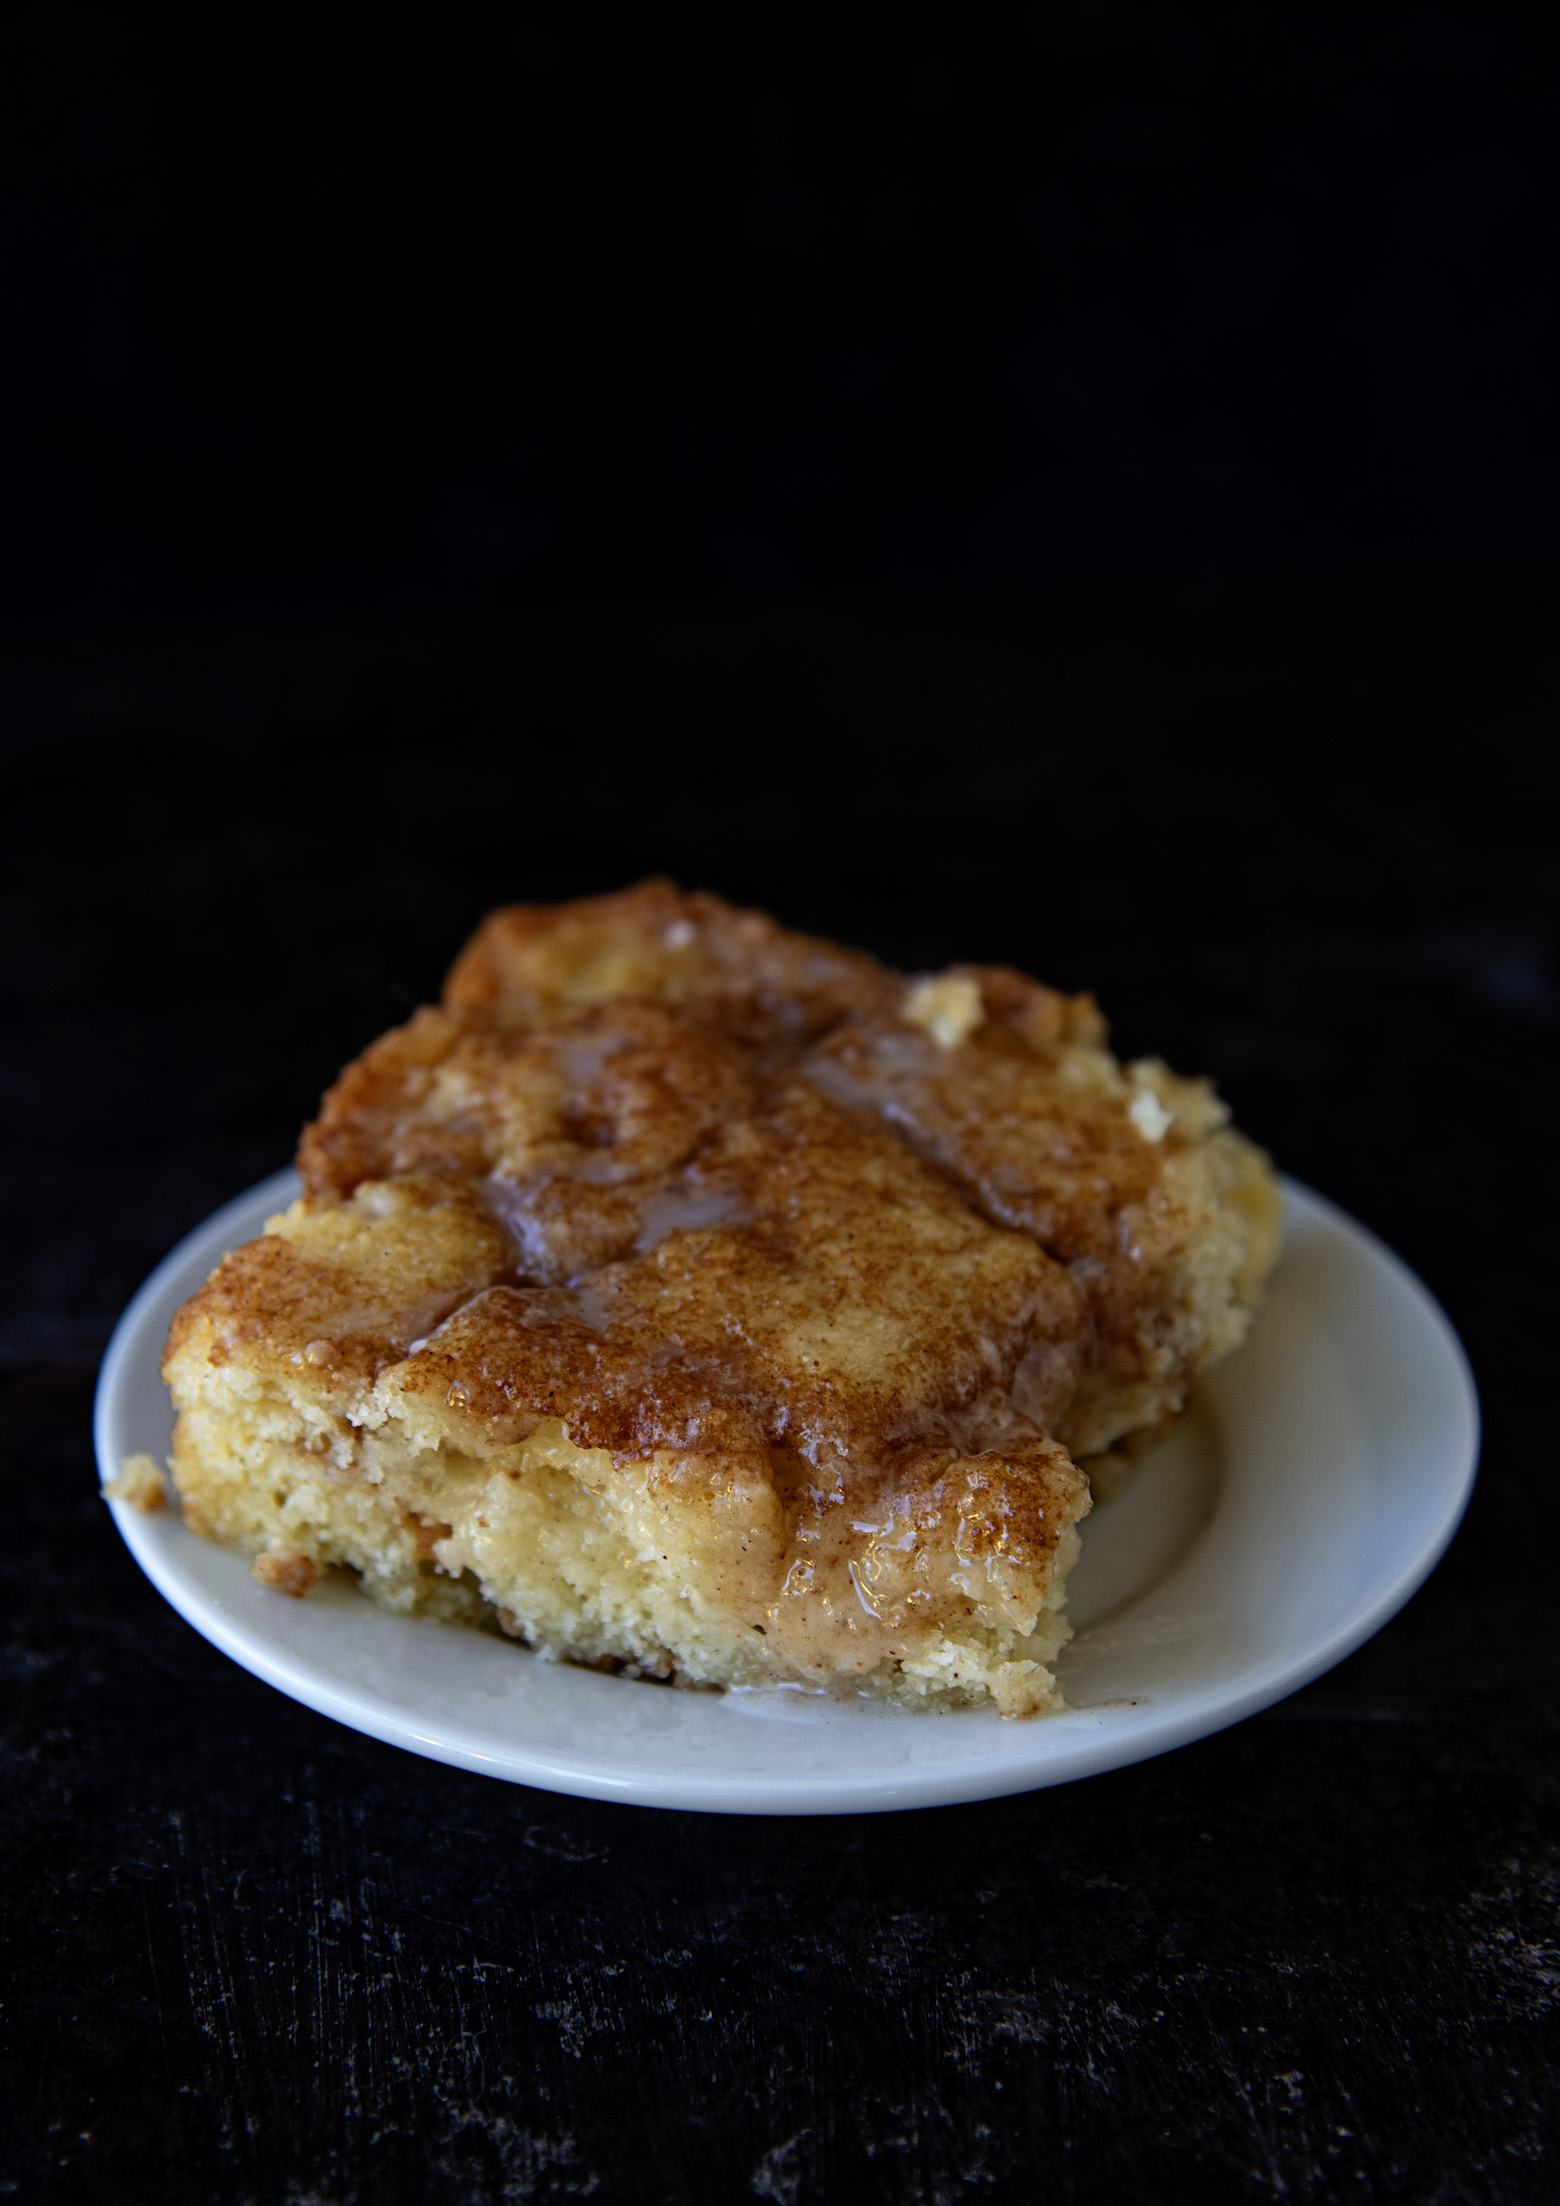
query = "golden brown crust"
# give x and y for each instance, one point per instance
(755, 979)
(1126, 1177)
(840, 1301)
(600, 1098)
(338, 1291)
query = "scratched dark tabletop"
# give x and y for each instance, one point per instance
(248, 1955)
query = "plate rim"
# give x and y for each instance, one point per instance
(1199, 1715)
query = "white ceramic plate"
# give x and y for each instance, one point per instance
(1309, 1492)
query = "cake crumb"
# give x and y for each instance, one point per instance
(1149, 1115)
(285, 1570)
(141, 1484)
(948, 1007)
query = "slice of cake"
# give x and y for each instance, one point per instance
(690, 1297)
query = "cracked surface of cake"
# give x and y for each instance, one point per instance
(688, 1296)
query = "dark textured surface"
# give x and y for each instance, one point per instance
(250, 1956)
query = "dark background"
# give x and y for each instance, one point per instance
(1074, 486)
